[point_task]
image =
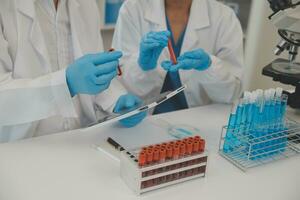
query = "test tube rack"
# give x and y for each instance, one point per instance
(248, 148)
(160, 165)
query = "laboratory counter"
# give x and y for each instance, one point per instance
(67, 166)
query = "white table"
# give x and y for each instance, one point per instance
(65, 166)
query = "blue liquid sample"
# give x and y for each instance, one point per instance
(283, 128)
(239, 126)
(229, 138)
(254, 132)
(257, 129)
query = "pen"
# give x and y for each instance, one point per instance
(115, 144)
(172, 54)
(119, 68)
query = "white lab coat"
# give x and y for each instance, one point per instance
(212, 26)
(29, 90)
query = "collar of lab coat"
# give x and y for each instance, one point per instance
(198, 20)
(27, 8)
(199, 17)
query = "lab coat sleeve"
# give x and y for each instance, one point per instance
(27, 100)
(222, 81)
(127, 38)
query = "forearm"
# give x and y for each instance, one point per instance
(27, 100)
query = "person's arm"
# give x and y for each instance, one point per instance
(27, 100)
(127, 38)
(223, 79)
(220, 72)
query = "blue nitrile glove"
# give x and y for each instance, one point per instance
(151, 47)
(197, 59)
(129, 102)
(92, 73)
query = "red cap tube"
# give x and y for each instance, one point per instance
(142, 158)
(189, 148)
(182, 149)
(155, 155)
(175, 151)
(171, 51)
(196, 146)
(202, 145)
(162, 154)
(169, 151)
(149, 156)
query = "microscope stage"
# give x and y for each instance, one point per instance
(280, 71)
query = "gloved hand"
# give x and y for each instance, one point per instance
(151, 47)
(92, 73)
(197, 59)
(129, 102)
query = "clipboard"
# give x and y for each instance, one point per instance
(114, 117)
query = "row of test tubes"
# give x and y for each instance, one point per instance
(160, 153)
(257, 123)
(173, 177)
(174, 166)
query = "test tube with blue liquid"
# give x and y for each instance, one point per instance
(246, 119)
(283, 128)
(267, 144)
(229, 138)
(256, 130)
(257, 124)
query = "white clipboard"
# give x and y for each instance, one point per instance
(114, 117)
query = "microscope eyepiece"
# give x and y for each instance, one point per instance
(281, 46)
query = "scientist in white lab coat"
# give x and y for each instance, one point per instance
(208, 42)
(52, 76)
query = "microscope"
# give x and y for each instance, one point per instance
(286, 18)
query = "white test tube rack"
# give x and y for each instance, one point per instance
(162, 174)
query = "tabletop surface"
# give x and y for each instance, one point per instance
(66, 166)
